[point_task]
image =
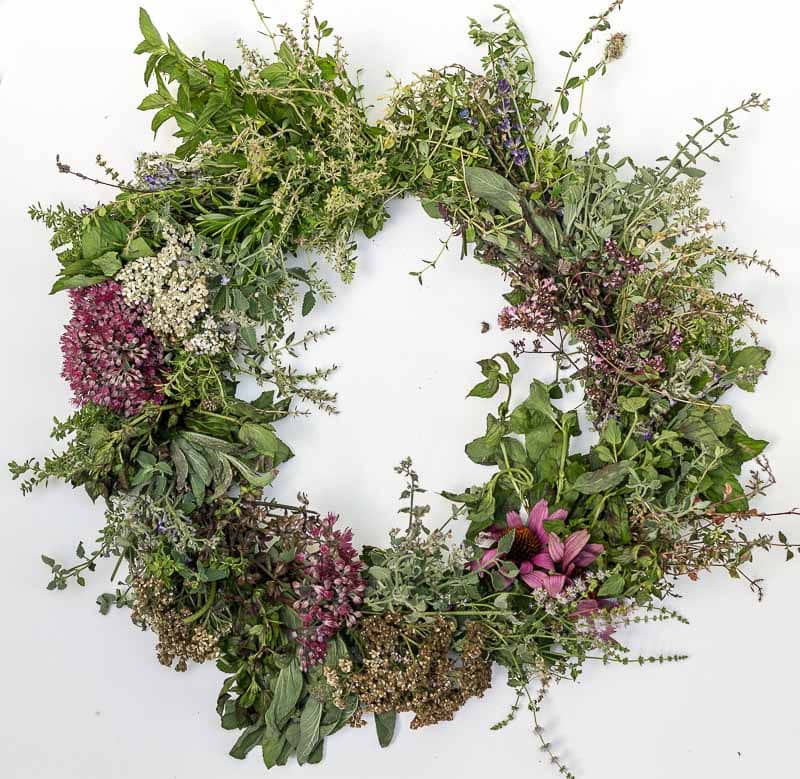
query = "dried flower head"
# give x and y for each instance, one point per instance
(615, 47)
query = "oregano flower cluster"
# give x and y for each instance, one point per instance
(110, 358)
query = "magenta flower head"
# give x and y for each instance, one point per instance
(110, 358)
(329, 591)
(566, 559)
(542, 559)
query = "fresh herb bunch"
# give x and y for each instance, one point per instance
(190, 279)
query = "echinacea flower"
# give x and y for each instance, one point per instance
(554, 569)
(541, 558)
(530, 538)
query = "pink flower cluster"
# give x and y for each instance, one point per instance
(536, 315)
(331, 590)
(110, 357)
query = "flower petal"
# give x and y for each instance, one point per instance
(526, 566)
(573, 545)
(535, 579)
(585, 607)
(554, 583)
(486, 558)
(588, 555)
(544, 561)
(557, 515)
(537, 515)
(555, 547)
(513, 519)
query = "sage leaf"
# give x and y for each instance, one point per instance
(309, 728)
(603, 479)
(288, 690)
(385, 723)
(271, 748)
(247, 741)
(497, 191)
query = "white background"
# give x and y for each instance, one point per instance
(82, 696)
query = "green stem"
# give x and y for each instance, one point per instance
(212, 593)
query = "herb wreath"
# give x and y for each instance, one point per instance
(189, 279)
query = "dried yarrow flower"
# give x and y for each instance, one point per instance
(411, 668)
(154, 608)
(110, 358)
(331, 590)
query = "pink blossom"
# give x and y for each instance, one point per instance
(542, 558)
(330, 591)
(110, 358)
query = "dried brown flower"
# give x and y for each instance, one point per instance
(410, 667)
(154, 608)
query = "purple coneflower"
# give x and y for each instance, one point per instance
(542, 559)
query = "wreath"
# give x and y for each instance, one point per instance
(193, 277)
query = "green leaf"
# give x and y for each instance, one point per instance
(181, 465)
(75, 282)
(431, 208)
(197, 463)
(248, 335)
(149, 31)
(613, 585)
(108, 263)
(603, 479)
(742, 445)
(276, 74)
(632, 404)
(747, 365)
(316, 754)
(264, 441)
(506, 542)
(138, 247)
(247, 741)
(484, 450)
(271, 748)
(256, 479)
(288, 689)
(309, 728)
(719, 419)
(549, 229)
(309, 301)
(539, 399)
(485, 389)
(152, 101)
(539, 440)
(385, 723)
(611, 433)
(693, 428)
(160, 117)
(497, 191)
